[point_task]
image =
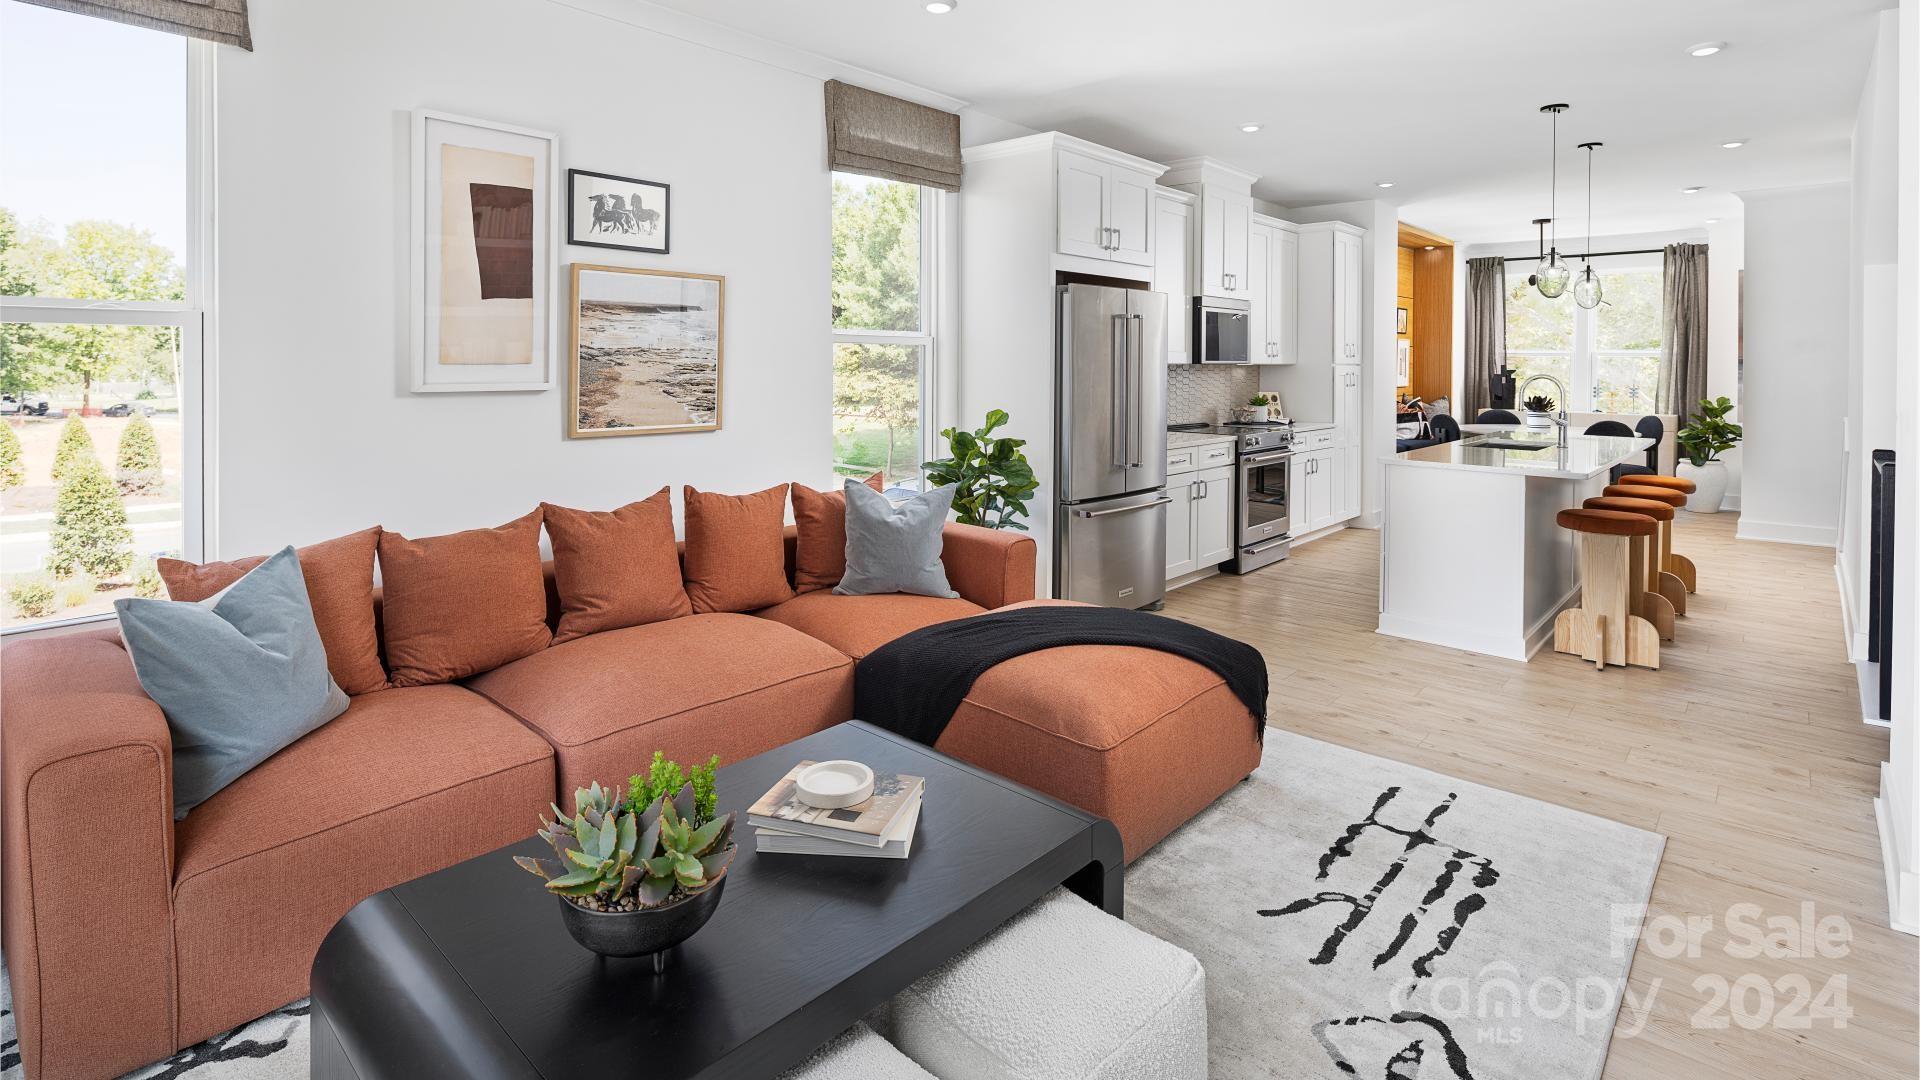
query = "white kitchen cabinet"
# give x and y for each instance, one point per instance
(1349, 295)
(1273, 259)
(1260, 245)
(1213, 517)
(1172, 241)
(1347, 427)
(1220, 248)
(1102, 210)
(1180, 552)
(1314, 501)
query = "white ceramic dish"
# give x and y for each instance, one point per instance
(831, 785)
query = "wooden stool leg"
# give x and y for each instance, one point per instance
(1603, 629)
(1670, 585)
(1652, 606)
(1682, 567)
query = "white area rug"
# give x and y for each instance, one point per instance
(1358, 917)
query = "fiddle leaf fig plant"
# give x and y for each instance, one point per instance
(991, 476)
(1710, 434)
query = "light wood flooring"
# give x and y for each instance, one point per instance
(1745, 750)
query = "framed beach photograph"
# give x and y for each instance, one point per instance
(618, 212)
(646, 347)
(485, 214)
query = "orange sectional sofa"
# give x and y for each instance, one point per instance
(129, 935)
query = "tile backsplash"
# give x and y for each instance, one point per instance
(1202, 395)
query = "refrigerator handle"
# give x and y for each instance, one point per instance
(1117, 353)
(1136, 356)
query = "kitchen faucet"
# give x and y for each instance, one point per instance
(1561, 419)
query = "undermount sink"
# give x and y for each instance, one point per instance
(1515, 444)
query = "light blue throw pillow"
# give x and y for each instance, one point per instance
(895, 549)
(240, 675)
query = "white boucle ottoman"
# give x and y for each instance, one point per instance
(857, 1053)
(1063, 991)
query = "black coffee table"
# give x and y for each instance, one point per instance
(468, 972)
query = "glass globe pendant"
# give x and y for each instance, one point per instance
(1550, 277)
(1586, 290)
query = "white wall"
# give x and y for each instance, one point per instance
(1897, 807)
(1380, 272)
(1873, 273)
(1794, 406)
(317, 434)
(1726, 258)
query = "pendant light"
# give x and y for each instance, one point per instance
(1550, 277)
(1586, 290)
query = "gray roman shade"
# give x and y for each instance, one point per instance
(876, 135)
(224, 21)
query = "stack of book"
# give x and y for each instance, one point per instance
(880, 828)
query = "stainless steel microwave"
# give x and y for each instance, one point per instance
(1220, 331)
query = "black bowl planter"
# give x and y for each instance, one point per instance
(649, 931)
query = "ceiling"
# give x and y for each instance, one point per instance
(1440, 98)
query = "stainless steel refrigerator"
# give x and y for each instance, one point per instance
(1110, 535)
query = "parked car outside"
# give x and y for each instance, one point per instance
(126, 409)
(23, 405)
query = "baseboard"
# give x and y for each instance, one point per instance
(1851, 633)
(1781, 532)
(1731, 502)
(1189, 578)
(1312, 536)
(1903, 884)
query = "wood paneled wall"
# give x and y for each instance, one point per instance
(1432, 323)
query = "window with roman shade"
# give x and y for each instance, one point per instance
(222, 21)
(873, 134)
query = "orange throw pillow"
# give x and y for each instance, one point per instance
(339, 575)
(736, 555)
(617, 568)
(820, 548)
(460, 604)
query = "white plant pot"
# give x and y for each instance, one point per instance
(1539, 421)
(1710, 485)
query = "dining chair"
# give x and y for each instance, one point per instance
(1616, 429)
(1445, 428)
(1496, 416)
(1650, 427)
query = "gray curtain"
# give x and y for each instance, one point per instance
(224, 21)
(876, 135)
(1486, 333)
(1683, 331)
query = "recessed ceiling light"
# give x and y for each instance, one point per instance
(1733, 144)
(941, 7)
(1429, 247)
(1383, 184)
(1249, 128)
(1691, 190)
(1706, 48)
(1713, 221)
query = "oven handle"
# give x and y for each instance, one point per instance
(1268, 546)
(1266, 459)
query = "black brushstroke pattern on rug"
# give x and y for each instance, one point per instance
(229, 1046)
(912, 685)
(9, 1050)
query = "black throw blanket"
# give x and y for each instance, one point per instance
(912, 685)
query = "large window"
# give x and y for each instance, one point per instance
(1608, 357)
(883, 326)
(100, 318)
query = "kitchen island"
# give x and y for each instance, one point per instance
(1470, 556)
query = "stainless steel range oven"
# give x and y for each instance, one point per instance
(1265, 517)
(1263, 507)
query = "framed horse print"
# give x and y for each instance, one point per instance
(618, 212)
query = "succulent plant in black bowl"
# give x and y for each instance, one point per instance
(637, 881)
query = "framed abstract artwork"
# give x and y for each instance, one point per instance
(485, 215)
(618, 212)
(646, 350)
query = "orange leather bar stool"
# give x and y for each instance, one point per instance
(1645, 600)
(1678, 565)
(1604, 628)
(1672, 586)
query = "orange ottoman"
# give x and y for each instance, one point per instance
(1143, 738)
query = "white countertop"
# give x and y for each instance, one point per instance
(1180, 440)
(1585, 455)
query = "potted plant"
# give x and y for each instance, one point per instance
(1702, 440)
(1539, 410)
(641, 871)
(991, 476)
